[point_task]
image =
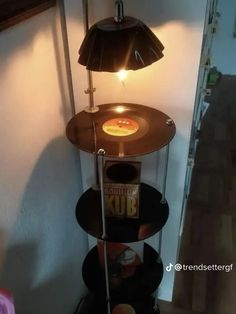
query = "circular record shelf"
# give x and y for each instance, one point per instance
(153, 216)
(142, 306)
(121, 129)
(141, 284)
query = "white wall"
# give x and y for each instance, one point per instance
(224, 44)
(168, 85)
(41, 245)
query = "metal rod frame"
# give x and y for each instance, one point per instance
(65, 40)
(90, 90)
(163, 201)
(119, 7)
(101, 153)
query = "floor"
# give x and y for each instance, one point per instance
(209, 235)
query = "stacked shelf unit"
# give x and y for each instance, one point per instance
(156, 130)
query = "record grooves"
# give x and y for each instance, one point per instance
(121, 129)
(145, 280)
(153, 216)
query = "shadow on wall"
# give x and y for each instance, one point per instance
(48, 297)
(19, 38)
(21, 41)
(42, 266)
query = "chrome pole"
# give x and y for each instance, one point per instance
(85, 13)
(101, 153)
(163, 201)
(156, 307)
(163, 198)
(65, 40)
(119, 15)
(159, 252)
(90, 90)
(96, 186)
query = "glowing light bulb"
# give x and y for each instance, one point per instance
(122, 74)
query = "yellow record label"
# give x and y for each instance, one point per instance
(120, 127)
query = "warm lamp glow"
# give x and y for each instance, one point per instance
(122, 74)
(120, 109)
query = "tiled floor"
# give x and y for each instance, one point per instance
(210, 227)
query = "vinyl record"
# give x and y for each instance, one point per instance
(143, 282)
(143, 305)
(123, 308)
(153, 216)
(121, 129)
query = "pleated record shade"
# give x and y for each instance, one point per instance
(110, 46)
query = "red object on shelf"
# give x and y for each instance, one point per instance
(122, 261)
(123, 309)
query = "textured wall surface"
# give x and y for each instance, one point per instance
(41, 245)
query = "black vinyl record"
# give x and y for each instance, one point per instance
(121, 129)
(96, 304)
(143, 282)
(153, 216)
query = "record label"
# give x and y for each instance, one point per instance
(120, 126)
(123, 309)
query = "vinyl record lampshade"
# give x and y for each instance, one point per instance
(110, 46)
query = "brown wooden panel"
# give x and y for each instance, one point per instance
(15, 11)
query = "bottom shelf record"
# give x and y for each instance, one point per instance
(140, 306)
(153, 216)
(128, 281)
